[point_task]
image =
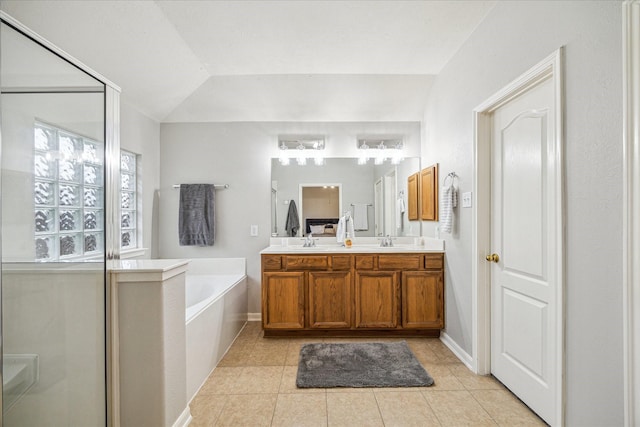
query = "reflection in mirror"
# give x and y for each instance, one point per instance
(378, 190)
(320, 208)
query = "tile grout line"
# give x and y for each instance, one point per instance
(435, 414)
(375, 396)
(482, 406)
(273, 414)
(326, 407)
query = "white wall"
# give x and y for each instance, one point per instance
(239, 154)
(513, 38)
(141, 135)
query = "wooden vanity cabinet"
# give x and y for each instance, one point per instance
(354, 294)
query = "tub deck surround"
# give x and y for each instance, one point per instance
(364, 290)
(147, 269)
(173, 321)
(149, 341)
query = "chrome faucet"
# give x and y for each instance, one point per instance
(309, 242)
(386, 242)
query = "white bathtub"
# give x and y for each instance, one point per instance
(216, 310)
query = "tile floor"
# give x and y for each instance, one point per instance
(254, 385)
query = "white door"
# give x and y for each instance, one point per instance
(378, 208)
(523, 280)
(390, 203)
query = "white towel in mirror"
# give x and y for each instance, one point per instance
(360, 220)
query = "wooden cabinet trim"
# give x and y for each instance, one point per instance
(271, 262)
(434, 261)
(365, 262)
(341, 262)
(306, 262)
(400, 262)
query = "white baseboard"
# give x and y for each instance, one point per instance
(254, 317)
(457, 350)
(184, 419)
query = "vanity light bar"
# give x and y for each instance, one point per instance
(301, 148)
(380, 149)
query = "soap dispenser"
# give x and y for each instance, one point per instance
(347, 241)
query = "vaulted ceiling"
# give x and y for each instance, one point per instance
(192, 61)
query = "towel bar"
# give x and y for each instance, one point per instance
(215, 185)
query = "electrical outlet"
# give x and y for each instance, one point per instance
(254, 230)
(466, 199)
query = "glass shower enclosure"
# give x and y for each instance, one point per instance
(56, 140)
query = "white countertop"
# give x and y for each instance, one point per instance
(294, 245)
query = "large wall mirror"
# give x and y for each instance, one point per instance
(376, 195)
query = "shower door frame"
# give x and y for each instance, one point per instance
(111, 213)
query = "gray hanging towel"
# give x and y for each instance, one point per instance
(293, 222)
(196, 218)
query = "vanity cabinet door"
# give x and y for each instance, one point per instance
(428, 188)
(330, 300)
(376, 299)
(283, 300)
(423, 299)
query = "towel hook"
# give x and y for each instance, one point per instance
(451, 175)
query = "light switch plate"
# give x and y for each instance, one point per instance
(254, 230)
(466, 199)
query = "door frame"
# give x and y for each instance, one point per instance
(301, 188)
(550, 67)
(389, 199)
(631, 210)
(378, 212)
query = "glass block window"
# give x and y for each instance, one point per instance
(128, 200)
(68, 195)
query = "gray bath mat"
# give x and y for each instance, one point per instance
(372, 364)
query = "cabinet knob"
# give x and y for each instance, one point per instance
(493, 258)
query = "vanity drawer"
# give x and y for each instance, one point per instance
(364, 262)
(271, 262)
(341, 262)
(307, 262)
(434, 262)
(399, 262)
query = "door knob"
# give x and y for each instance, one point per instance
(493, 258)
